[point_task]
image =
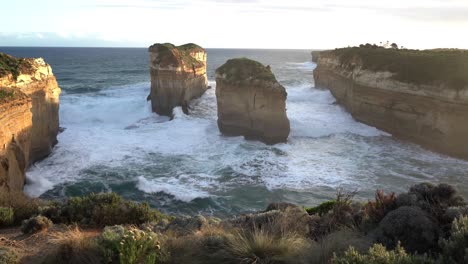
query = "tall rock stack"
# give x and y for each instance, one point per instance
(178, 75)
(251, 102)
(29, 121)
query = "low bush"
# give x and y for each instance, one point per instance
(101, 210)
(378, 254)
(6, 216)
(8, 256)
(23, 206)
(36, 224)
(322, 208)
(455, 248)
(383, 203)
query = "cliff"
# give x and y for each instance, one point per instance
(421, 96)
(251, 102)
(34, 78)
(178, 75)
(15, 138)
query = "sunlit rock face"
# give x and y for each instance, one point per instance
(433, 115)
(34, 78)
(251, 102)
(15, 138)
(178, 75)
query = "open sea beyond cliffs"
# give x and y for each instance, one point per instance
(113, 142)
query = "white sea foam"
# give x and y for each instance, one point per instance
(326, 148)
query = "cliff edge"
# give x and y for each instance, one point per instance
(421, 96)
(251, 102)
(178, 75)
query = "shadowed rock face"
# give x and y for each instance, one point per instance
(29, 121)
(432, 114)
(178, 75)
(251, 102)
(34, 78)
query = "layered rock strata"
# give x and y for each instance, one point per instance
(251, 102)
(178, 75)
(34, 78)
(399, 92)
(29, 121)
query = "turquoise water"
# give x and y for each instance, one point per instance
(113, 142)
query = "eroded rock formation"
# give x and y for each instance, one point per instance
(178, 75)
(29, 121)
(251, 102)
(410, 94)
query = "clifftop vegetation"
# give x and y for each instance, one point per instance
(170, 54)
(444, 66)
(243, 69)
(10, 64)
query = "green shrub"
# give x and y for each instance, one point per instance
(6, 216)
(36, 224)
(102, 210)
(130, 246)
(23, 206)
(8, 256)
(455, 248)
(322, 208)
(378, 254)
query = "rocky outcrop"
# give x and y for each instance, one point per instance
(409, 94)
(251, 102)
(15, 138)
(34, 78)
(178, 75)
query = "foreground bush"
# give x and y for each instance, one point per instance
(8, 256)
(378, 254)
(101, 210)
(455, 248)
(36, 224)
(6, 216)
(130, 245)
(23, 206)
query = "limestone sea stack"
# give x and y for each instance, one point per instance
(29, 121)
(251, 102)
(178, 75)
(34, 78)
(420, 96)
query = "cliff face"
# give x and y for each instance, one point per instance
(34, 78)
(251, 102)
(178, 75)
(432, 113)
(15, 138)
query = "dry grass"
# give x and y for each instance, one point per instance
(74, 246)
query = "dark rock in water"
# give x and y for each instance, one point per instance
(251, 102)
(178, 75)
(414, 228)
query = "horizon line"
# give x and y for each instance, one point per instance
(141, 47)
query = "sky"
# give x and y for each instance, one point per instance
(285, 24)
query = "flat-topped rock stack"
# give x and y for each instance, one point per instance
(251, 102)
(178, 75)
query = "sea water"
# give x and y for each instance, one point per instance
(113, 142)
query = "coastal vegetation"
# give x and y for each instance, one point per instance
(241, 69)
(438, 66)
(12, 65)
(427, 224)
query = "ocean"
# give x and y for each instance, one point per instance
(113, 142)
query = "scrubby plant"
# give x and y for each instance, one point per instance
(6, 216)
(322, 208)
(383, 203)
(8, 256)
(130, 245)
(36, 224)
(102, 210)
(455, 248)
(23, 206)
(378, 254)
(74, 247)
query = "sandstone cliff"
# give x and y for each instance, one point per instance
(178, 75)
(251, 102)
(34, 78)
(421, 96)
(15, 138)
